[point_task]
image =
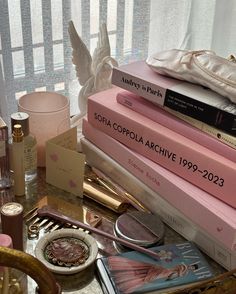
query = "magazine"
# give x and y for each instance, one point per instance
(179, 265)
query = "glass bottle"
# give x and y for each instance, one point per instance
(5, 180)
(18, 160)
(30, 145)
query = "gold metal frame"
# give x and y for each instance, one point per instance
(32, 267)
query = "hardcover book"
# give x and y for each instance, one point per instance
(178, 265)
(173, 217)
(184, 157)
(214, 216)
(192, 100)
(210, 130)
(158, 114)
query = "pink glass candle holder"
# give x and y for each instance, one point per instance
(49, 115)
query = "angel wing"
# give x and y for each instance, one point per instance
(94, 74)
(103, 48)
(103, 73)
(80, 56)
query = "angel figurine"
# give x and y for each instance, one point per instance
(93, 72)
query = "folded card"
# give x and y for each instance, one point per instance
(64, 165)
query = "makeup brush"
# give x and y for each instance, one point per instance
(46, 211)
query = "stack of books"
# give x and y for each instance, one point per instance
(171, 144)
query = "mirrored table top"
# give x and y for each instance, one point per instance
(85, 281)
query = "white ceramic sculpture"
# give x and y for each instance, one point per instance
(93, 72)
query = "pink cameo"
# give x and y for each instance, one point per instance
(67, 251)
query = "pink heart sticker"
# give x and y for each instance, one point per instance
(54, 157)
(72, 184)
(219, 229)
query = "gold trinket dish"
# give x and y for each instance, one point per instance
(66, 251)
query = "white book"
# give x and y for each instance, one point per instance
(155, 203)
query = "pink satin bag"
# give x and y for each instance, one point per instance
(202, 67)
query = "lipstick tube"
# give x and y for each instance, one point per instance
(12, 223)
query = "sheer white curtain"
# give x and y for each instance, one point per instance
(194, 24)
(3, 99)
(35, 49)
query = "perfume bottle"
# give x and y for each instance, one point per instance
(5, 180)
(30, 145)
(18, 160)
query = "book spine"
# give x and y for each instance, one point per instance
(158, 205)
(165, 97)
(162, 116)
(174, 219)
(169, 186)
(200, 111)
(138, 86)
(193, 162)
(214, 132)
(104, 278)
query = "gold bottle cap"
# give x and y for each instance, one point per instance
(11, 209)
(17, 134)
(22, 119)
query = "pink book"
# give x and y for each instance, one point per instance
(214, 216)
(189, 99)
(158, 114)
(173, 217)
(190, 160)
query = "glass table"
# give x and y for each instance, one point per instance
(85, 281)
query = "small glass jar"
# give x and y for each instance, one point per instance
(5, 180)
(5, 241)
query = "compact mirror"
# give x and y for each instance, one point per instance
(141, 228)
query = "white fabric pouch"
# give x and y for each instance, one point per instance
(200, 67)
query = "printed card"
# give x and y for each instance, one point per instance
(64, 165)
